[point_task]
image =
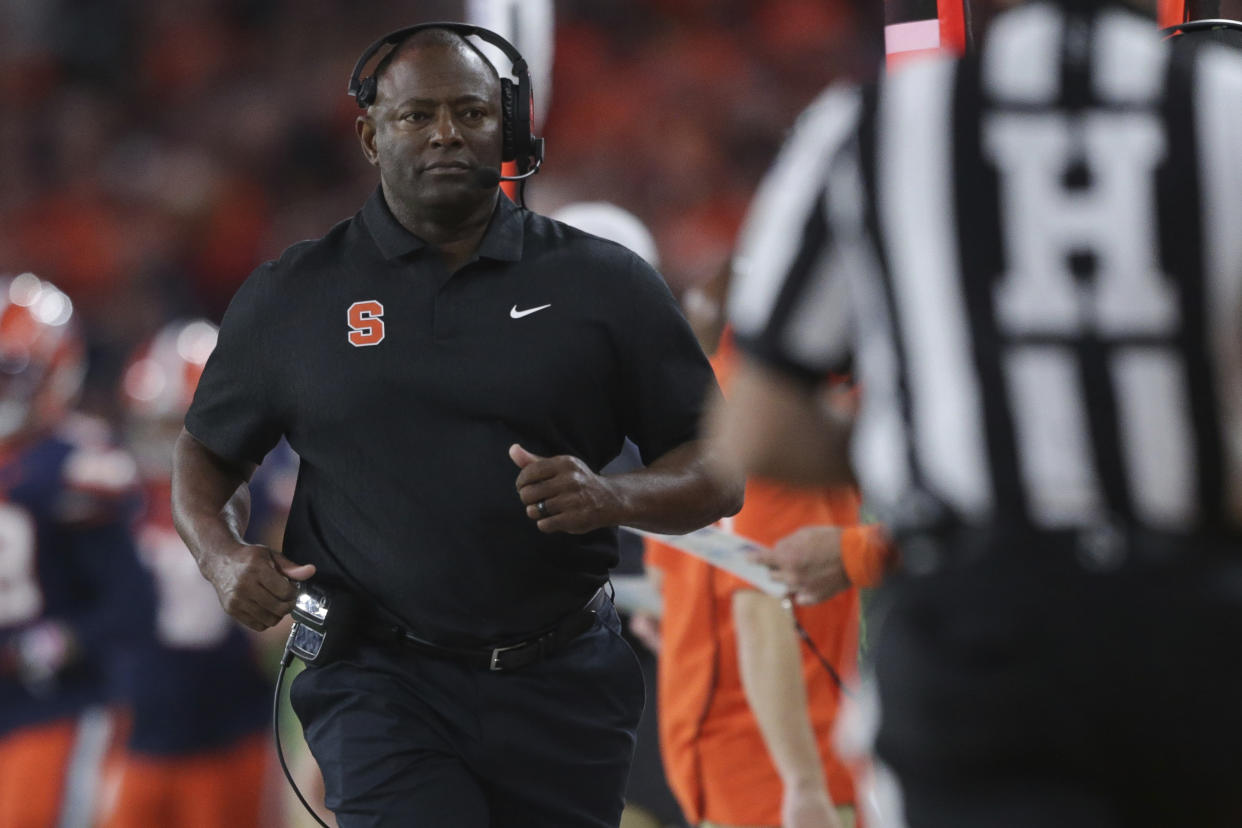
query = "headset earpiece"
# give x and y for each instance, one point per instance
(366, 91)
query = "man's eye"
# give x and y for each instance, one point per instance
(414, 116)
(474, 114)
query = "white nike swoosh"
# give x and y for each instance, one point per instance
(514, 313)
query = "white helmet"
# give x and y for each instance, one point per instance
(608, 221)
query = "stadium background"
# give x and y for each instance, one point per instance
(152, 153)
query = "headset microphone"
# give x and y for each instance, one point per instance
(487, 177)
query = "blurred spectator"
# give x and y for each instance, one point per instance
(740, 697)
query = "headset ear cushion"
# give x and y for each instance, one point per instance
(523, 128)
(508, 120)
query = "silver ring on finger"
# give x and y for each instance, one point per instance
(542, 508)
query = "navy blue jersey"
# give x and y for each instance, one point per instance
(67, 563)
(199, 684)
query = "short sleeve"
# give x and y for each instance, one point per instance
(727, 584)
(236, 409)
(667, 379)
(790, 300)
(866, 554)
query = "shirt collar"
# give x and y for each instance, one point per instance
(502, 240)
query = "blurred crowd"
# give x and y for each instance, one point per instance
(151, 154)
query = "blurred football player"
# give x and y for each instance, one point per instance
(73, 596)
(197, 754)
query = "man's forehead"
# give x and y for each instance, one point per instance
(417, 70)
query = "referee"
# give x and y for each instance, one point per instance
(1032, 259)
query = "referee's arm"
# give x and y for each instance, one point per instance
(776, 426)
(789, 307)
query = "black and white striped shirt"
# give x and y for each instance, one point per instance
(1033, 258)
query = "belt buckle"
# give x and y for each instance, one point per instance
(495, 665)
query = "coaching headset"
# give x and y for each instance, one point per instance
(519, 143)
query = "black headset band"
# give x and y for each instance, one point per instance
(464, 29)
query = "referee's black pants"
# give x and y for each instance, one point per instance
(405, 739)
(1033, 691)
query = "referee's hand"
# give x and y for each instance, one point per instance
(255, 584)
(574, 499)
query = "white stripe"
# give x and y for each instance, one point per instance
(818, 332)
(909, 37)
(1156, 435)
(772, 236)
(1129, 58)
(1218, 91)
(90, 745)
(1021, 59)
(880, 443)
(916, 197)
(1050, 425)
(880, 439)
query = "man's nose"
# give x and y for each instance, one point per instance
(444, 131)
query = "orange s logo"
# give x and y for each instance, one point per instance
(366, 323)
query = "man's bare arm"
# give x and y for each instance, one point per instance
(211, 508)
(771, 671)
(677, 493)
(771, 426)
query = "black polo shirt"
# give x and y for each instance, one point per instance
(549, 337)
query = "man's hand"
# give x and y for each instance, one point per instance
(255, 584)
(809, 563)
(808, 806)
(575, 499)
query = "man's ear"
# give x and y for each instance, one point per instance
(365, 127)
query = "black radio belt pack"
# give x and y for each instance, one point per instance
(324, 622)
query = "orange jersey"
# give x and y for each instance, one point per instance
(714, 753)
(220, 789)
(49, 773)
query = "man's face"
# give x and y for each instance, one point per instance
(436, 118)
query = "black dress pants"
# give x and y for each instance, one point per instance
(405, 739)
(1031, 691)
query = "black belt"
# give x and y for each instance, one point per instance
(507, 656)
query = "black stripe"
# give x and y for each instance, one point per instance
(980, 235)
(1103, 423)
(1114, 107)
(1077, 48)
(1182, 243)
(1094, 354)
